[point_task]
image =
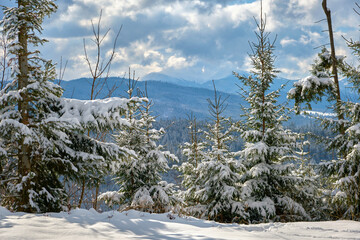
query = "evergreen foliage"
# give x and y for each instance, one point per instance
(26, 104)
(42, 135)
(306, 169)
(269, 188)
(340, 176)
(139, 176)
(46, 140)
(343, 174)
(194, 153)
(217, 194)
(313, 88)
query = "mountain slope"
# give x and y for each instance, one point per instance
(170, 100)
(177, 100)
(165, 78)
(229, 84)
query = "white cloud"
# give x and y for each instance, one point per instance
(247, 64)
(287, 41)
(301, 67)
(181, 37)
(179, 62)
(142, 70)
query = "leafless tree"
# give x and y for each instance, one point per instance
(99, 69)
(62, 69)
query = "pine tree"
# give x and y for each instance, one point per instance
(339, 176)
(194, 152)
(344, 173)
(139, 176)
(325, 79)
(18, 113)
(305, 169)
(269, 188)
(218, 173)
(42, 136)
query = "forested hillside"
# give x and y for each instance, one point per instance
(177, 132)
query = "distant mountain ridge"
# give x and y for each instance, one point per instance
(165, 78)
(176, 98)
(170, 100)
(229, 83)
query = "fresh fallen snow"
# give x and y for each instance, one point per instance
(88, 224)
(316, 113)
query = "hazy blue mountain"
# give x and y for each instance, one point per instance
(170, 100)
(175, 97)
(165, 78)
(229, 84)
(225, 84)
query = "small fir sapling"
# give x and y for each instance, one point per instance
(139, 176)
(218, 194)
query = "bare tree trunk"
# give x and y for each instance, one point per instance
(97, 70)
(95, 205)
(334, 64)
(82, 193)
(23, 104)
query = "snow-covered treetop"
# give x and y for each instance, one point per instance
(18, 17)
(97, 113)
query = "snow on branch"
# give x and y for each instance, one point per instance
(97, 113)
(309, 84)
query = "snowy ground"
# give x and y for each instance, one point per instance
(88, 224)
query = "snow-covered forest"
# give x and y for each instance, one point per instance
(56, 153)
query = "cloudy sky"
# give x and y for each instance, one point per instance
(195, 39)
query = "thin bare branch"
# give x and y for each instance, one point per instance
(62, 70)
(357, 12)
(321, 46)
(99, 67)
(324, 19)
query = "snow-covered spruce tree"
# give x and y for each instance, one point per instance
(324, 80)
(305, 168)
(344, 173)
(340, 176)
(218, 173)
(90, 157)
(194, 152)
(17, 111)
(5, 72)
(313, 89)
(139, 176)
(42, 136)
(269, 189)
